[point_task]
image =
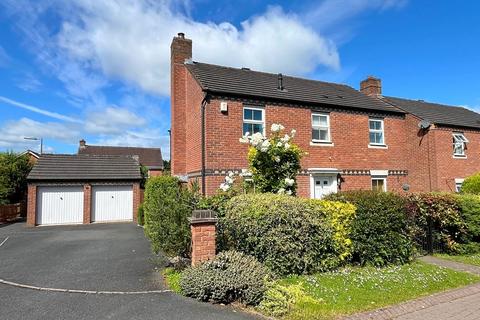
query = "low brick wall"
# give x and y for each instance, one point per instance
(10, 212)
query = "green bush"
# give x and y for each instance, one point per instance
(470, 210)
(140, 215)
(441, 213)
(289, 235)
(471, 185)
(231, 276)
(167, 206)
(380, 230)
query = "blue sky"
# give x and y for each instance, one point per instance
(99, 70)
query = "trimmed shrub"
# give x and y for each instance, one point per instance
(470, 211)
(289, 235)
(167, 206)
(140, 215)
(471, 185)
(380, 230)
(231, 276)
(440, 212)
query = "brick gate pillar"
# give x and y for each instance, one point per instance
(202, 224)
(87, 203)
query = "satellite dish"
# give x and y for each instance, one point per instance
(424, 124)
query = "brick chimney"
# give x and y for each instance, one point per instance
(180, 51)
(82, 144)
(371, 86)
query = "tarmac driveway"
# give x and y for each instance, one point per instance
(97, 257)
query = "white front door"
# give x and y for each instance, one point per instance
(112, 203)
(323, 185)
(59, 205)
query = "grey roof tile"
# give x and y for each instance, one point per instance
(240, 82)
(438, 113)
(149, 157)
(85, 168)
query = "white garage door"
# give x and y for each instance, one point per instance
(112, 203)
(59, 205)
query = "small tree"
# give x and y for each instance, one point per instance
(275, 161)
(14, 170)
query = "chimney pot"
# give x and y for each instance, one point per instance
(371, 86)
(82, 144)
(280, 82)
(181, 35)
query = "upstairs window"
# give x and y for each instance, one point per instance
(320, 128)
(376, 131)
(253, 120)
(459, 144)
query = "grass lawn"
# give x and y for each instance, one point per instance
(473, 259)
(355, 289)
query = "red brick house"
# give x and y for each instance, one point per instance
(354, 139)
(148, 157)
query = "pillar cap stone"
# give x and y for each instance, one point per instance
(203, 216)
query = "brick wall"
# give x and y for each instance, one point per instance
(136, 200)
(181, 49)
(31, 204)
(446, 166)
(87, 203)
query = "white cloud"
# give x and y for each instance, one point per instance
(12, 133)
(112, 120)
(130, 41)
(29, 83)
(38, 110)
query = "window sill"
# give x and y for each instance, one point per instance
(459, 157)
(321, 143)
(378, 146)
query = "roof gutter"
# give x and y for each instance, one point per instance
(203, 108)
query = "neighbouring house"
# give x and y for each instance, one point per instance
(76, 189)
(148, 157)
(32, 155)
(354, 139)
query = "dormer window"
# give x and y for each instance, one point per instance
(459, 144)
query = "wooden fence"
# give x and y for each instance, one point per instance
(11, 212)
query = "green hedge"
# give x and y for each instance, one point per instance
(288, 234)
(471, 185)
(167, 206)
(231, 276)
(380, 230)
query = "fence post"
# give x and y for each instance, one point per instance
(202, 225)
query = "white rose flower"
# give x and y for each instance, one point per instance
(289, 192)
(289, 182)
(228, 180)
(279, 144)
(224, 186)
(287, 146)
(277, 159)
(275, 127)
(293, 133)
(281, 191)
(264, 146)
(230, 174)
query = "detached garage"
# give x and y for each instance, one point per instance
(76, 189)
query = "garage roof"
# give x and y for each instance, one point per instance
(85, 167)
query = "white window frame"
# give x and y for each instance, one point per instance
(382, 131)
(317, 127)
(459, 138)
(379, 178)
(458, 185)
(249, 121)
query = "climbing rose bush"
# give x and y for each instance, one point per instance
(274, 161)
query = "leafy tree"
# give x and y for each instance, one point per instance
(14, 170)
(471, 185)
